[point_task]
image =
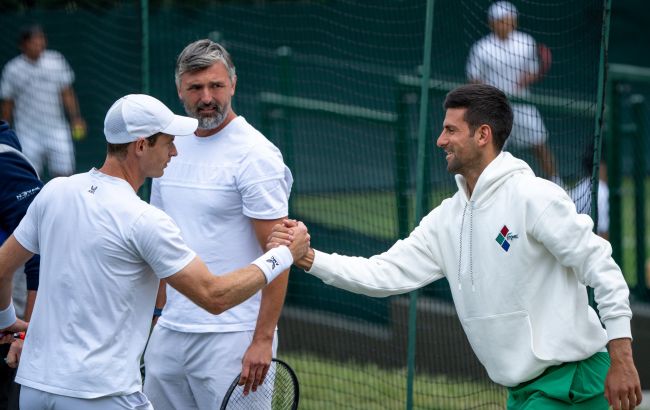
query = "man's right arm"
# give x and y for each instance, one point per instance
(217, 294)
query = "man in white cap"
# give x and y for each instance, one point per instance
(103, 252)
(509, 60)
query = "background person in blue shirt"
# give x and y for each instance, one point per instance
(20, 184)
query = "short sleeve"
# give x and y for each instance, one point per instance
(603, 207)
(473, 68)
(158, 240)
(65, 75)
(27, 231)
(7, 88)
(265, 184)
(532, 62)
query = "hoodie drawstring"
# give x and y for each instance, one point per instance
(460, 256)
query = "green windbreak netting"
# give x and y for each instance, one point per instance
(101, 43)
(336, 86)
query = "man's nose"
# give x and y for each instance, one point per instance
(206, 96)
(441, 141)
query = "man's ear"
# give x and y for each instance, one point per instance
(483, 135)
(234, 85)
(139, 145)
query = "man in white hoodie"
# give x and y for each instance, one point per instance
(518, 258)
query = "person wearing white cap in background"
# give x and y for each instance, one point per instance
(508, 59)
(103, 252)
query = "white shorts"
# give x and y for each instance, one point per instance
(194, 370)
(54, 149)
(528, 129)
(34, 399)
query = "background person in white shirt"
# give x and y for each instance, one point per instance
(518, 258)
(508, 59)
(103, 252)
(37, 93)
(225, 190)
(581, 191)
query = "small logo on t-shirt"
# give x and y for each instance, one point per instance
(92, 189)
(505, 237)
(273, 262)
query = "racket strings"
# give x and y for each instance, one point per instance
(278, 392)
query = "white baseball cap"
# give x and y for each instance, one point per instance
(501, 9)
(138, 116)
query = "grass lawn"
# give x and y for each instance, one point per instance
(369, 213)
(628, 225)
(326, 384)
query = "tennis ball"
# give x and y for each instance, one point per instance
(78, 133)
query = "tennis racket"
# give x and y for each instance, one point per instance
(278, 392)
(545, 59)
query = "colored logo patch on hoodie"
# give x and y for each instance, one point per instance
(505, 237)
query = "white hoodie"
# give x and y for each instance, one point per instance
(517, 257)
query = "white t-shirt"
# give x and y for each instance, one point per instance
(212, 189)
(35, 88)
(502, 63)
(581, 195)
(103, 251)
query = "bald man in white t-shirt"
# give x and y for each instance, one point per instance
(103, 253)
(508, 59)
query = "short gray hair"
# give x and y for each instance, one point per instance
(200, 55)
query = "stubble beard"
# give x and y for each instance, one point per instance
(453, 165)
(208, 122)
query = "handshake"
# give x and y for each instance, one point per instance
(295, 236)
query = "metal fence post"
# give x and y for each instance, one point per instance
(145, 190)
(614, 176)
(284, 54)
(420, 177)
(402, 161)
(638, 107)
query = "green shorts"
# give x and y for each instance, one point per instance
(575, 385)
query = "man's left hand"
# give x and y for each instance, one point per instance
(13, 357)
(255, 364)
(622, 385)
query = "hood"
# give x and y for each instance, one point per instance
(8, 136)
(493, 176)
